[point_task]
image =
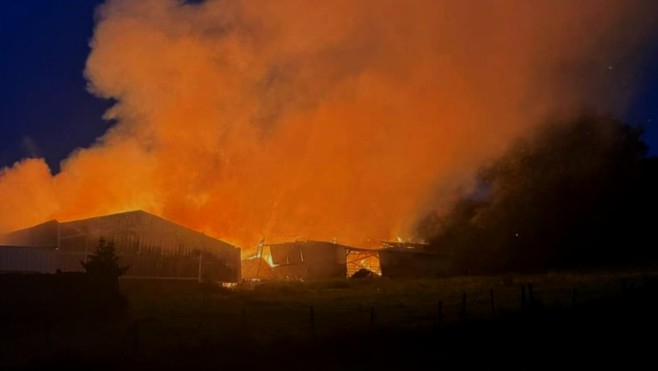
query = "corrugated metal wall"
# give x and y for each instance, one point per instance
(152, 247)
(309, 260)
(27, 259)
(42, 235)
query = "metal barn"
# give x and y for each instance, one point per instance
(308, 260)
(151, 246)
(411, 260)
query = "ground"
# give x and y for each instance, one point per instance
(564, 319)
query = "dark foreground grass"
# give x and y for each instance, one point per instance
(566, 320)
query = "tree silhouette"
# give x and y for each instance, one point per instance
(576, 193)
(103, 265)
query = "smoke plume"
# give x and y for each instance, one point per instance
(333, 119)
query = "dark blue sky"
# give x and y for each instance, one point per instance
(643, 109)
(46, 111)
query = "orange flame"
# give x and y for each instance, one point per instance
(340, 119)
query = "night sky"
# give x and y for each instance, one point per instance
(46, 111)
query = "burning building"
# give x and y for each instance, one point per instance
(411, 260)
(256, 267)
(308, 260)
(316, 260)
(152, 247)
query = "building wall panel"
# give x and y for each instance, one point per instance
(151, 246)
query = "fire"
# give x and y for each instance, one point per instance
(350, 119)
(363, 260)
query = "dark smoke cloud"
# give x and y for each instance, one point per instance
(327, 119)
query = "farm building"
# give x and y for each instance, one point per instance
(151, 246)
(411, 260)
(314, 260)
(27, 259)
(308, 260)
(359, 259)
(256, 267)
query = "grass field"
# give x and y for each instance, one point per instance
(346, 324)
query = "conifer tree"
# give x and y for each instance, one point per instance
(103, 266)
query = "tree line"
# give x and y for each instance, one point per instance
(575, 194)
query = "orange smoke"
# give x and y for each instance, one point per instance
(335, 119)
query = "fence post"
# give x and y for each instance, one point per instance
(574, 295)
(136, 335)
(312, 318)
(463, 312)
(493, 302)
(531, 298)
(49, 328)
